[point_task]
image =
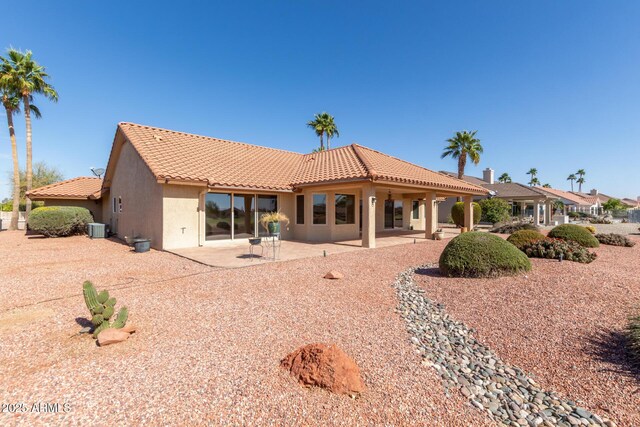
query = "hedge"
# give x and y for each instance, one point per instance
(522, 237)
(574, 233)
(59, 221)
(478, 254)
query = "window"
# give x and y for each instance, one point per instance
(300, 209)
(114, 205)
(345, 209)
(319, 208)
(218, 216)
(415, 209)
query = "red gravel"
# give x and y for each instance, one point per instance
(209, 342)
(563, 322)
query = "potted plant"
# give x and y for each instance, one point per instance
(271, 221)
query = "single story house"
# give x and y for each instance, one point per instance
(82, 191)
(183, 190)
(525, 201)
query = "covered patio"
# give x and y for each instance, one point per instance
(236, 254)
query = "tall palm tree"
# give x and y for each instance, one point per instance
(324, 124)
(533, 172)
(504, 178)
(28, 78)
(11, 103)
(581, 173)
(571, 178)
(463, 145)
(547, 185)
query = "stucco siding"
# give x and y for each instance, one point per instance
(94, 206)
(180, 216)
(138, 199)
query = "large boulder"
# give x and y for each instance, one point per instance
(324, 366)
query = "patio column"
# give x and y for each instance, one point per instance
(536, 212)
(468, 212)
(549, 212)
(523, 209)
(368, 216)
(431, 215)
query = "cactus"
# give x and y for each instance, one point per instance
(101, 307)
(121, 318)
(90, 295)
(103, 296)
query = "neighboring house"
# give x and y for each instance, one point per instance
(632, 204)
(184, 190)
(525, 201)
(575, 202)
(83, 191)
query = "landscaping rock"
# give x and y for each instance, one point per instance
(503, 392)
(324, 366)
(335, 275)
(129, 328)
(112, 336)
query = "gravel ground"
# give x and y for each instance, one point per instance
(562, 322)
(209, 341)
(618, 228)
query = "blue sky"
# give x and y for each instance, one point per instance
(547, 84)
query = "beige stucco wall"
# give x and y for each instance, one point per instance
(141, 195)
(94, 206)
(180, 216)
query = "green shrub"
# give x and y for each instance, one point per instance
(476, 254)
(521, 237)
(457, 213)
(591, 229)
(512, 228)
(634, 339)
(495, 210)
(575, 233)
(553, 248)
(615, 240)
(600, 221)
(59, 221)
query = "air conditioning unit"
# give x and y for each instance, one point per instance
(96, 230)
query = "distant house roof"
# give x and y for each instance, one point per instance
(180, 157)
(83, 187)
(630, 202)
(468, 178)
(569, 196)
(516, 190)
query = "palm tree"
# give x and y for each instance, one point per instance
(533, 172)
(324, 124)
(463, 145)
(11, 104)
(581, 173)
(547, 185)
(28, 78)
(571, 178)
(504, 178)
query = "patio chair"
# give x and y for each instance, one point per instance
(252, 244)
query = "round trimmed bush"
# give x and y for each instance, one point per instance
(574, 233)
(512, 228)
(477, 254)
(522, 237)
(495, 210)
(457, 213)
(59, 221)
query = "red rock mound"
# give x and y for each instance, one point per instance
(324, 366)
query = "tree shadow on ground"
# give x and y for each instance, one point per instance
(429, 271)
(612, 347)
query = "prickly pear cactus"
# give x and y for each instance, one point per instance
(102, 308)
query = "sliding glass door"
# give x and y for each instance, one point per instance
(218, 216)
(244, 216)
(222, 210)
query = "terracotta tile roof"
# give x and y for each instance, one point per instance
(83, 187)
(181, 156)
(567, 195)
(187, 157)
(631, 202)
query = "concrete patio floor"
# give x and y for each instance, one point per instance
(236, 254)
